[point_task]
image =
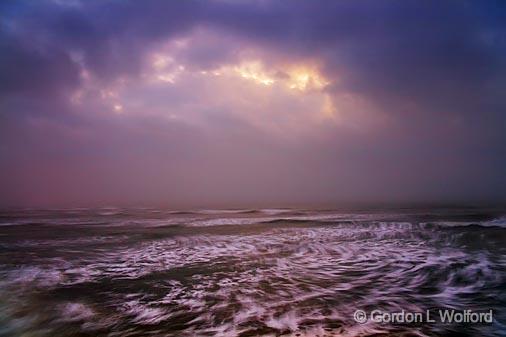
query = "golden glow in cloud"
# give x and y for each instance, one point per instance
(298, 77)
(254, 71)
(273, 96)
(306, 78)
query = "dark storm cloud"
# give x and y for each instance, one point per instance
(435, 70)
(432, 51)
(110, 36)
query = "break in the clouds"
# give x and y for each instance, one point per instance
(228, 103)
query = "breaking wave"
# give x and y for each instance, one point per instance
(290, 275)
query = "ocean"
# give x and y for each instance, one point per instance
(254, 272)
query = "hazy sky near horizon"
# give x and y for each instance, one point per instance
(225, 102)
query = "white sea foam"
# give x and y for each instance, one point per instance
(74, 312)
(295, 281)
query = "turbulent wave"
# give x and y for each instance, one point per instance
(248, 274)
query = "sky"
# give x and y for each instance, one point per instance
(232, 103)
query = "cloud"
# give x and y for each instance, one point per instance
(281, 102)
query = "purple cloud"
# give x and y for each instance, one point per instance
(251, 102)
